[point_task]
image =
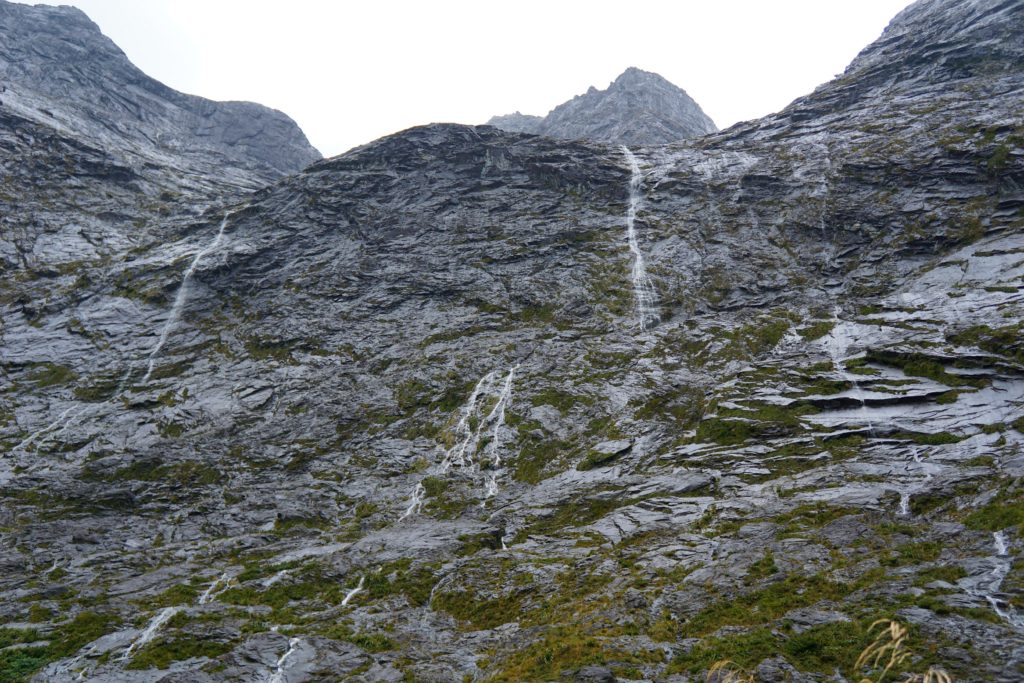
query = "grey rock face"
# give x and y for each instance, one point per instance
(517, 123)
(827, 423)
(638, 108)
(58, 69)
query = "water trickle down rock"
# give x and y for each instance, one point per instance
(987, 587)
(837, 342)
(355, 591)
(155, 624)
(279, 674)
(182, 296)
(470, 429)
(644, 294)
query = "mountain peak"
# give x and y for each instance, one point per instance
(60, 70)
(633, 76)
(638, 108)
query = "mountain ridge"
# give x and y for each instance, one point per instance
(637, 108)
(51, 56)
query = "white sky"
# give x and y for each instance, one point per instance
(351, 71)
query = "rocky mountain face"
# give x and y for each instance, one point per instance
(57, 68)
(638, 108)
(466, 404)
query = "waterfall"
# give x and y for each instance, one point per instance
(498, 413)
(836, 343)
(999, 538)
(61, 421)
(182, 296)
(905, 503)
(465, 434)
(161, 618)
(415, 501)
(212, 592)
(278, 676)
(643, 289)
(472, 425)
(468, 434)
(355, 591)
(987, 588)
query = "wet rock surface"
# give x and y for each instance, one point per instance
(400, 420)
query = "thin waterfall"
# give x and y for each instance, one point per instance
(62, 419)
(1002, 549)
(161, 618)
(355, 591)
(472, 425)
(465, 434)
(415, 501)
(837, 342)
(987, 588)
(644, 293)
(182, 297)
(212, 592)
(278, 675)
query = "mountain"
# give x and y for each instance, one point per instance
(57, 68)
(638, 108)
(468, 404)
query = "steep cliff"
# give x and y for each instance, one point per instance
(465, 404)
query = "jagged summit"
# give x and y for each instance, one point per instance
(638, 108)
(58, 69)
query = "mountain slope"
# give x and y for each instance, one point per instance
(397, 415)
(58, 69)
(638, 108)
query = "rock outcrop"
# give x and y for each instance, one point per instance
(397, 415)
(638, 108)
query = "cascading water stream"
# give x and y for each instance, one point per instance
(988, 589)
(905, 503)
(212, 592)
(465, 434)
(497, 417)
(415, 501)
(1002, 549)
(70, 415)
(182, 297)
(837, 343)
(161, 618)
(470, 429)
(643, 289)
(61, 421)
(278, 675)
(355, 591)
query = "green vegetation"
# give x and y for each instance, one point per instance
(816, 330)
(734, 426)
(562, 400)
(51, 374)
(184, 474)
(1003, 512)
(1003, 341)
(19, 664)
(919, 365)
(160, 653)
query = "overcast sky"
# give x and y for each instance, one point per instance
(350, 72)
